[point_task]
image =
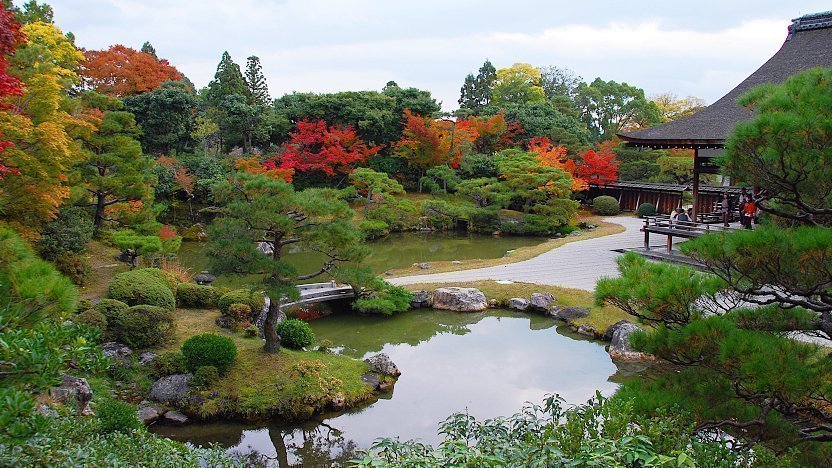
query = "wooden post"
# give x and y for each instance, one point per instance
(696, 168)
(646, 235)
(669, 243)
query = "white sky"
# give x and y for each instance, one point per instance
(699, 48)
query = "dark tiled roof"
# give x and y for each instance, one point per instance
(808, 45)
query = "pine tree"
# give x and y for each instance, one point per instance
(227, 80)
(257, 87)
(467, 100)
(148, 48)
(484, 82)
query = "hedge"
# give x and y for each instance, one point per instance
(209, 349)
(142, 287)
(253, 299)
(196, 295)
(143, 326)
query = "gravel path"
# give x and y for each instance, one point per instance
(573, 265)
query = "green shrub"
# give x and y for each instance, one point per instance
(204, 377)
(605, 205)
(70, 232)
(168, 364)
(93, 318)
(171, 280)
(386, 301)
(254, 299)
(75, 266)
(239, 312)
(252, 331)
(209, 349)
(646, 209)
(196, 295)
(117, 416)
(373, 229)
(140, 287)
(111, 308)
(295, 333)
(143, 326)
(325, 346)
(483, 220)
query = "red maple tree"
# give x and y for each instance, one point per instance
(428, 142)
(552, 155)
(598, 167)
(10, 38)
(121, 71)
(317, 147)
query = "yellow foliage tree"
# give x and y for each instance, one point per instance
(40, 126)
(519, 84)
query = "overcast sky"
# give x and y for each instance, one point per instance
(693, 48)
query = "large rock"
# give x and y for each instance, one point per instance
(381, 364)
(119, 353)
(587, 330)
(73, 390)
(571, 313)
(371, 379)
(620, 345)
(175, 418)
(459, 299)
(148, 414)
(518, 303)
(171, 389)
(422, 300)
(610, 331)
(539, 302)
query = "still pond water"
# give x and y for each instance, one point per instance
(487, 364)
(398, 250)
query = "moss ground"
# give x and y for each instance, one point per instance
(600, 317)
(291, 384)
(104, 266)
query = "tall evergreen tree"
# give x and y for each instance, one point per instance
(257, 87)
(484, 82)
(467, 100)
(227, 80)
(148, 48)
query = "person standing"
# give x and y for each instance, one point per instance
(749, 212)
(725, 208)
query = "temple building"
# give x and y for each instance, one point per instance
(807, 45)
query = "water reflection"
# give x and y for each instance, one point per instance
(487, 364)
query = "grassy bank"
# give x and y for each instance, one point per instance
(600, 317)
(519, 255)
(291, 384)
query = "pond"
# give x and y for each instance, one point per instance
(398, 250)
(487, 364)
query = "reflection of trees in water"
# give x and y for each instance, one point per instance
(320, 445)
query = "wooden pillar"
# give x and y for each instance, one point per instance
(696, 169)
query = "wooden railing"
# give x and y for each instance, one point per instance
(665, 225)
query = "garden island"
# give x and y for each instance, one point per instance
(556, 273)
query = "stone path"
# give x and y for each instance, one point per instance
(574, 265)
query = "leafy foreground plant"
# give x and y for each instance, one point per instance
(603, 432)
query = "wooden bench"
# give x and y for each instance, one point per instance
(664, 225)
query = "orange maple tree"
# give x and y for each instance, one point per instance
(428, 142)
(121, 71)
(253, 165)
(318, 147)
(552, 155)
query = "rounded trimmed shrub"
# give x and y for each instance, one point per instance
(167, 277)
(204, 377)
(209, 349)
(141, 287)
(254, 299)
(373, 228)
(252, 331)
(605, 205)
(143, 326)
(117, 416)
(93, 318)
(295, 333)
(646, 209)
(239, 312)
(196, 295)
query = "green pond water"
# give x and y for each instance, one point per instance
(398, 250)
(487, 364)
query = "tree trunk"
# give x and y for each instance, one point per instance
(98, 220)
(367, 204)
(272, 345)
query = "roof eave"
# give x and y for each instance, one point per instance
(660, 143)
